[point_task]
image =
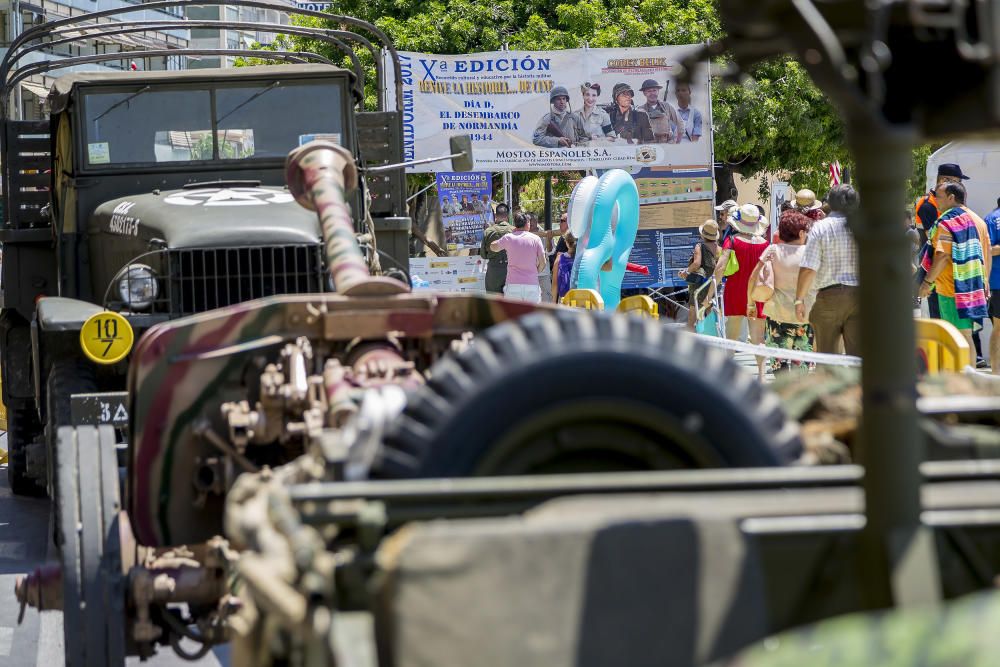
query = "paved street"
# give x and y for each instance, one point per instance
(24, 544)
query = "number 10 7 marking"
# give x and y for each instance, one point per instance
(107, 332)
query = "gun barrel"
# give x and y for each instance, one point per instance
(319, 174)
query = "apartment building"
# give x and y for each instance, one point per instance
(203, 38)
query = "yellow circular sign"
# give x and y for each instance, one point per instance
(106, 338)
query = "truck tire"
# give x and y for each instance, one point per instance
(66, 377)
(93, 583)
(574, 391)
(22, 429)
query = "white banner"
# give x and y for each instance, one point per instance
(554, 110)
(448, 274)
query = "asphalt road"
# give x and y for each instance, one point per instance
(24, 545)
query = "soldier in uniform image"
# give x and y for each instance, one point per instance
(662, 117)
(560, 128)
(629, 123)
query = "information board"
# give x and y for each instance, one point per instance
(448, 274)
(466, 207)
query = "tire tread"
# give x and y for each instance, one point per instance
(456, 377)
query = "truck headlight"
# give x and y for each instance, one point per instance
(138, 287)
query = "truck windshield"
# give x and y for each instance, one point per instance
(279, 116)
(250, 121)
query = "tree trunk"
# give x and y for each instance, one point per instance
(725, 183)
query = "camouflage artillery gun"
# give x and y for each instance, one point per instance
(676, 567)
(160, 194)
(363, 383)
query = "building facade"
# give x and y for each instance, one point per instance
(207, 38)
(17, 16)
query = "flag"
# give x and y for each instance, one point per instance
(834, 173)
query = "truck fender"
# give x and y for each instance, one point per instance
(55, 329)
(57, 313)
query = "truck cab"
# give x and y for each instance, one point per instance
(153, 195)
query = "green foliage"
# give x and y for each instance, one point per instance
(203, 149)
(533, 192)
(779, 122)
(918, 179)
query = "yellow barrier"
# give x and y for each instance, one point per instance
(640, 305)
(587, 299)
(942, 345)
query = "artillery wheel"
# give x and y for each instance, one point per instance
(93, 583)
(582, 392)
(22, 429)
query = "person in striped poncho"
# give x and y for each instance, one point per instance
(956, 263)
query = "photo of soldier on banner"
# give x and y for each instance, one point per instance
(466, 207)
(556, 110)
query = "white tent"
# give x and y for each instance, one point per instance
(980, 160)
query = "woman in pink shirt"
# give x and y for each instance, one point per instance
(525, 260)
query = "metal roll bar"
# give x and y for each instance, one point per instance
(125, 27)
(38, 68)
(91, 21)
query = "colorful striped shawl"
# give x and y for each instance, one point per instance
(966, 261)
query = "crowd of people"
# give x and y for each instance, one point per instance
(795, 290)
(798, 288)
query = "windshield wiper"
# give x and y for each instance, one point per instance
(131, 97)
(248, 101)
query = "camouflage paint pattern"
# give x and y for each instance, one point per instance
(960, 634)
(318, 175)
(172, 389)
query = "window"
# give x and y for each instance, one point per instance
(252, 121)
(144, 126)
(279, 115)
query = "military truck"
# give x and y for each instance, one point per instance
(156, 195)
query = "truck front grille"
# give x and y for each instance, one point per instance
(205, 278)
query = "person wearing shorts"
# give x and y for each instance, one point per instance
(525, 260)
(941, 274)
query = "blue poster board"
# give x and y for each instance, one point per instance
(665, 251)
(466, 207)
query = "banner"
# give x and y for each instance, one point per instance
(466, 207)
(448, 274)
(556, 110)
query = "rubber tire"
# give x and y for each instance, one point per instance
(459, 423)
(93, 583)
(66, 377)
(22, 429)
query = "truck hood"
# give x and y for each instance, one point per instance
(210, 217)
